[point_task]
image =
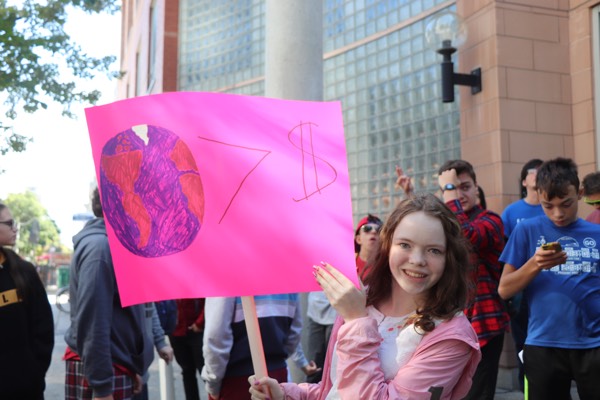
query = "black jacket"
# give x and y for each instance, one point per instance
(26, 332)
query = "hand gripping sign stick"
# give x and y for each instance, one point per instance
(254, 339)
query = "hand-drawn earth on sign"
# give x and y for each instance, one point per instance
(152, 193)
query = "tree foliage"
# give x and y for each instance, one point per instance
(33, 43)
(27, 211)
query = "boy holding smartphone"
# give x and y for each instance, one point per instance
(562, 288)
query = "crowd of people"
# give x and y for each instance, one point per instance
(443, 279)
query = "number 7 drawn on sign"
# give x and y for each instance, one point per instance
(246, 176)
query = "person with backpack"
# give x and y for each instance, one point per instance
(186, 340)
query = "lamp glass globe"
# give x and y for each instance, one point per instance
(445, 29)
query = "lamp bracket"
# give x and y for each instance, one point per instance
(473, 80)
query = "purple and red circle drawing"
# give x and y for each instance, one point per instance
(152, 193)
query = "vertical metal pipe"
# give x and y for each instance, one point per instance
(294, 49)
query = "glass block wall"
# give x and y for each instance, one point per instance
(376, 63)
(222, 46)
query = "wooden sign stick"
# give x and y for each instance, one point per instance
(255, 340)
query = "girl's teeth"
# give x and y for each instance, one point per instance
(414, 275)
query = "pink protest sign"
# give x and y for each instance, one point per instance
(208, 194)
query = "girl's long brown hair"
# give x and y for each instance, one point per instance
(452, 292)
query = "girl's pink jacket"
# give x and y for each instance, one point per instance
(441, 367)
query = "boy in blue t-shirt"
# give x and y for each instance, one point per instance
(561, 286)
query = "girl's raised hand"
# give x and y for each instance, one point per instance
(260, 388)
(348, 301)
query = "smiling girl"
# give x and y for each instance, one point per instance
(406, 337)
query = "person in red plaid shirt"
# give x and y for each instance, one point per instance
(484, 229)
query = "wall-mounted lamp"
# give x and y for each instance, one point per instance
(445, 32)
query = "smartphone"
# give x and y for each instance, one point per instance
(552, 246)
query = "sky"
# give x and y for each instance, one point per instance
(58, 164)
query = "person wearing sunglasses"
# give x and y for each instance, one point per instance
(591, 195)
(320, 314)
(366, 240)
(26, 319)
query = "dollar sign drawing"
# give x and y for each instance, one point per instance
(310, 161)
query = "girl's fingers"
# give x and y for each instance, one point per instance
(257, 389)
(335, 285)
(346, 299)
(329, 277)
(331, 287)
(337, 279)
(323, 279)
(341, 278)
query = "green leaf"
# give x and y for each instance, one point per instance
(33, 43)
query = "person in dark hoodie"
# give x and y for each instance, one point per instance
(27, 331)
(108, 350)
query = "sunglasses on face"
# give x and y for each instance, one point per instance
(591, 202)
(370, 227)
(10, 223)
